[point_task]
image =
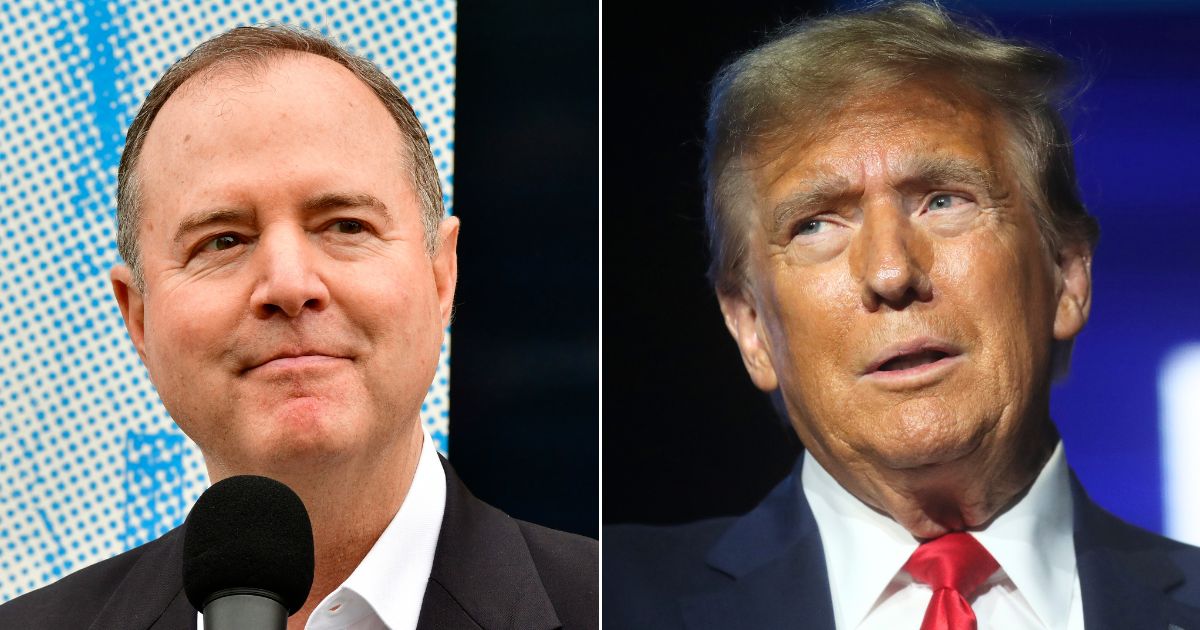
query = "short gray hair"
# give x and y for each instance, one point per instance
(253, 47)
(806, 71)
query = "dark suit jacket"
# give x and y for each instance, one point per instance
(767, 570)
(489, 571)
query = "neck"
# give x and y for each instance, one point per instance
(350, 503)
(967, 493)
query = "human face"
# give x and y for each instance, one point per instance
(291, 313)
(901, 298)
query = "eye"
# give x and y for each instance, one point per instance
(221, 242)
(810, 227)
(348, 226)
(946, 201)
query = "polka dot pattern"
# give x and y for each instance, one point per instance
(90, 462)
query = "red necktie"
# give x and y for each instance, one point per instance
(955, 566)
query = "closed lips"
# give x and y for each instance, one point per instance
(287, 359)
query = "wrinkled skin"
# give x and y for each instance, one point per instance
(902, 219)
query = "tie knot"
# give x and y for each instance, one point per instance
(956, 561)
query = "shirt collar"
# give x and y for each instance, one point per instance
(864, 550)
(1034, 542)
(393, 575)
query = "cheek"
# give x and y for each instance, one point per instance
(396, 305)
(813, 314)
(182, 325)
(1005, 289)
(811, 309)
(187, 336)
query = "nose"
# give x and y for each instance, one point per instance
(890, 259)
(288, 282)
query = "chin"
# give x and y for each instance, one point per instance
(282, 459)
(304, 414)
(924, 455)
(923, 433)
(305, 429)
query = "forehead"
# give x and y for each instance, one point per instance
(878, 135)
(299, 88)
(292, 117)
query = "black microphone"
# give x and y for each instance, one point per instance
(247, 554)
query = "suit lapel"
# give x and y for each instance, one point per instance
(179, 615)
(1125, 574)
(776, 568)
(151, 595)
(483, 575)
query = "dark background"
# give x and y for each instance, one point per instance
(524, 387)
(686, 435)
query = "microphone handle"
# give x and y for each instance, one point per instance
(244, 609)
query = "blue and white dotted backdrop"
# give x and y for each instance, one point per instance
(90, 462)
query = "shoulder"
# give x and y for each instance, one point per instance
(1187, 559)
(497, 568)
(1126, 573)
(558, 552)
(77, 599)
(648, 568)
(1143, 555)
(661, 551)
(569, 566)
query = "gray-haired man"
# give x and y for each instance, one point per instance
(290, 275)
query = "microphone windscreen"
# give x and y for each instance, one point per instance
(248, 532)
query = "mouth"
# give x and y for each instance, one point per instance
(912, 360)
(294, 361)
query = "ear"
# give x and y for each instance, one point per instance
(133, 309)
(742, 320)
(445, 266)
(1074, 291)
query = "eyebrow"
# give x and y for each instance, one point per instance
(819, 192)
(199, 220)
(824, 191)
(327, 201)
(943, 170)
(332, 201)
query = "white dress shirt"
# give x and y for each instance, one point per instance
(385, 591)
(1036, 587)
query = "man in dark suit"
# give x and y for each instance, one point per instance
(290, 273)
(902, 257)
(490, 571)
